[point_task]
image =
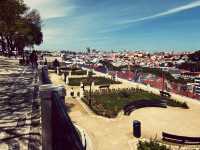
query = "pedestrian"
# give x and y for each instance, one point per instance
(33, 59)
(45, 61)
(82, 86)
(56, 64)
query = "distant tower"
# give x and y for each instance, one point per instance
(88, 50)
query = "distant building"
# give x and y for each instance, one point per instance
(197, 85)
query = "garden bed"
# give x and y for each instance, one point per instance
(109, 103)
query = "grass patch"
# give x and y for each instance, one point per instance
(97, 80)
(109, 103)
(151, 145)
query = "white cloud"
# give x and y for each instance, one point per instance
(51, 8)
(165, 13)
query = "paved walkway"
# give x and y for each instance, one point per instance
(19, 107)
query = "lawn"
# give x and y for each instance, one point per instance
(97, 80)
(109, 103)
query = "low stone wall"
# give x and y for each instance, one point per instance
(58, 131)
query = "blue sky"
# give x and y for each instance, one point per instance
(120, 24)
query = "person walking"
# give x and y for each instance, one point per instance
(45, 61)
(34, 59)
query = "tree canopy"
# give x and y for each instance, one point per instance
(20, 27)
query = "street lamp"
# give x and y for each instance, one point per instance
(90, 79)
(163, 80)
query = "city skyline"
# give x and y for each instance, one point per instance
(113, 24)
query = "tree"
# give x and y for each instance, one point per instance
(20, 27)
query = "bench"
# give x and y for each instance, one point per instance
(143, 103)
(104, 86)
(165, 94)
(180, 139)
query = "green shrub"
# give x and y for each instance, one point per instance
(151, 145)
(97, 81)
(79, 72)
(175, 103)
(124, 94)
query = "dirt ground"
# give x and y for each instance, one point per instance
(116, 134)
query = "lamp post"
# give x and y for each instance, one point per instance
(163, 80)
(90, 79)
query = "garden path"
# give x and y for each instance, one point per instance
(116, 134)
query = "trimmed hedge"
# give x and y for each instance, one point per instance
(97, 80)
(175, 103)
(79, 72)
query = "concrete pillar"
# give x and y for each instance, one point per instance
(81, 84)
(116, 77)
(81, 93)
(67, 80)
(46, 111)
(70, 73)
(93, 84)
(57, 70)
(63, 76)
(106, 74)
